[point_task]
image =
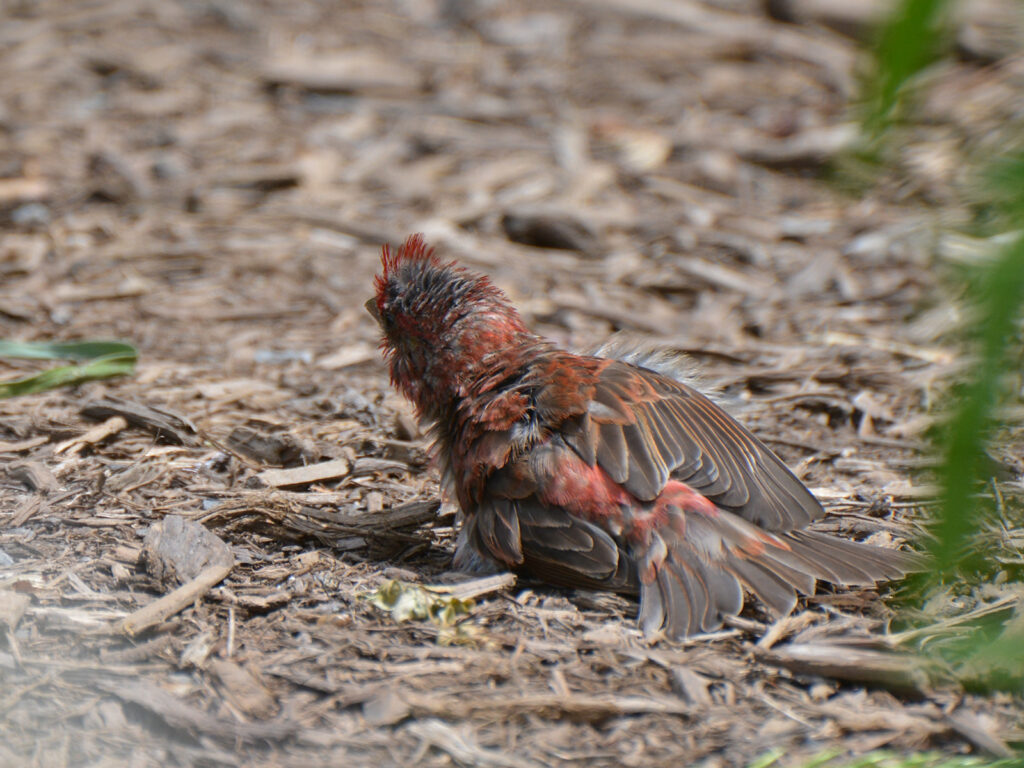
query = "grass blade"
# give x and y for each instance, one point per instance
(97, 360)
(64, 350)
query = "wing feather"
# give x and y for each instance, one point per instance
(648, 472)
(611, 451)
(497, 529)
(649, 427)
(566, 550)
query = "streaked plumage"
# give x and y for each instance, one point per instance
(599, 472)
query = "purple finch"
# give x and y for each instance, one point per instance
(599, 472)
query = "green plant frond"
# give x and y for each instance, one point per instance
(99, 360)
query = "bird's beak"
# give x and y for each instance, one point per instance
(371, 307)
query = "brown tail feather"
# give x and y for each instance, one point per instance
(772, 590)
(695, 578)
(876, 563)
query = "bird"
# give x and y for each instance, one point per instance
(601, 472)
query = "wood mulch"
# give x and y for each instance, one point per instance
(187, 555)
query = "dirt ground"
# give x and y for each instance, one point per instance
(212, 180)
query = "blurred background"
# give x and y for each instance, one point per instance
(778, 188)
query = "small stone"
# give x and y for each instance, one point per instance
(31, 215)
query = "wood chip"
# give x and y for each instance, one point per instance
(813, 147)
(281, 450)
(34, 475)
(468, 590)
(462, 746)
(692, 687)
(547, 231)
(979, 733)
(180, 714)
(346, 357)
(178, 550)
(163, 424)
(12, 607)
(354, 71)
(17, 446)
(314, 473)
(97, 434)
(716, 274)
(929, 354)
(16, 190)
(28, 509)
(386, 708)
(243, 689)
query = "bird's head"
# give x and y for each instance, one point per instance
(440, 324)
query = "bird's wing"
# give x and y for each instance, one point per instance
(642, 428)
(550, 544)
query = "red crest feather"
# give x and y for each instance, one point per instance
(412, 250)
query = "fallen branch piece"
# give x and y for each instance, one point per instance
(168, 605)
(893, 671)
(582, 707)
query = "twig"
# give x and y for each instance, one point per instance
(577, 707)
(168, 605)
(892, 671)
(97, 434)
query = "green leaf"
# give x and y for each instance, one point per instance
(64, 350)
(1000, 300)
(100, 360)
(889, 759)
(768, 759)
(906, 44)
